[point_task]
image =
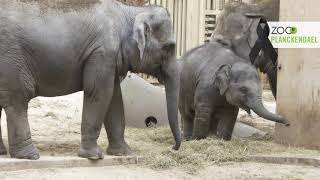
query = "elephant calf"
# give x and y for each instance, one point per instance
(213, 86)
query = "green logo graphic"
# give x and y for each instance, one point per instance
(294, 30)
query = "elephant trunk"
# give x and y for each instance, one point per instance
(272, 78)
(260, 110)
(268, 67)
(171, 82)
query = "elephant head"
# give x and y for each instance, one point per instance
(237, 28)
(269, 8)
(150, 49)
(240, 84)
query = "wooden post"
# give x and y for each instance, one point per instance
(298, 82)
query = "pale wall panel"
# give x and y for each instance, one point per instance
(299, 82)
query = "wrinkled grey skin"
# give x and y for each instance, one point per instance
(89, 50)
(237, 30)
(214, 84)
(269, 8)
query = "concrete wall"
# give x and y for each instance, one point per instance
(299, 82)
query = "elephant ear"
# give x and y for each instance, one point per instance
(221, 39)
(141, 32)
(222, 77)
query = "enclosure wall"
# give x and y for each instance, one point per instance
(299, 82)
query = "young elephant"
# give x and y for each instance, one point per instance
(213, 86)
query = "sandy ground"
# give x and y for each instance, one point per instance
(55, 127)
(55, 122)
(245, 170)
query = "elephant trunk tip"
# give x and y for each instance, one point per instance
(283, 121)
(177, 145)
(261, 111)
(286, 123)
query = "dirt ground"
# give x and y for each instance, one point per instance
(55, 127)
(245, 170)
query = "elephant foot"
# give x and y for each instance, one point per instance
(3, 150)
(94, 153)
(27, 152)
(224, 137)
(119, 150)
(187, 138)
(199, 137)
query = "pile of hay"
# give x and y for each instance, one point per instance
(155, 145)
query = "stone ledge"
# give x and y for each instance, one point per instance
(9, 164)
(287, 159)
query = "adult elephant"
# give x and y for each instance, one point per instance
(88, 50)
(237, 28)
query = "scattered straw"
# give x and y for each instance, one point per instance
(155, 145)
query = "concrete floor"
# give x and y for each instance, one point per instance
(246, 170)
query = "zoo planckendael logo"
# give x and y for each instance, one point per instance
(284, 30)
(295, 34)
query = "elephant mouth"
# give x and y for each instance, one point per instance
(242, 106)
(246, 108)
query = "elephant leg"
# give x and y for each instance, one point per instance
(228, 117)
(187, 120)
(20, 142)
(98, 85)
(115, 124)
(213, 125)
(201, 122)
(3, 150)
